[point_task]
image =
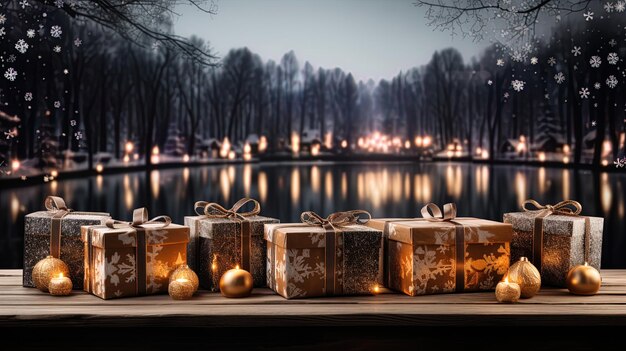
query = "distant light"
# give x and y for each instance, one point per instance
(565, 159)
(450, 153)
(126, 159)
(129, 147)
(479, 150)
(262, 143)
(295, 143)
(15, 165)
(606, 146)
(605, 163)
(459, 148)
(315, 149)
(407, 144)
(99, 168)
(485, 154)
(344, 144)
(54, 173)
(155, 150)
(232, 155)
(224, 151)
(542, 156)
(566, 149)
(418, 141)
(136, 157)
(450, 147)
(185, 158)
(426, 141)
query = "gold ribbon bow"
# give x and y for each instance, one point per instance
(432, 212)
(333, 223)
(563, 208)
(215, 210)
(140, 218)
(56, 206)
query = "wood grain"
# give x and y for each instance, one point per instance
(21, 306)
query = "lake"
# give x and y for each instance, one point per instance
(286, 189)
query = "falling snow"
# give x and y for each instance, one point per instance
(584, 93)
(28, 96)
(588, 15)
(500, 62)
(78, 42)
(597, 85)
(559, 77)
(56, 48)
(608, 7)
(24, 4)
(3, 18)
(518, 85)
(30, 33)
(10, 74)
(576, 51)
(595, 61)
(613, 59)
(620, 6)
(21, 46)
(611, 82)
(552, 61)
(55, 31)
(534, 60)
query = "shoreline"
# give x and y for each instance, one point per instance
(16, 182)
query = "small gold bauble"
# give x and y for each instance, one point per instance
(60, 285)
(184, 272)
(236, 283)
(526, 276)
(46, 269)
(583, 280)
(181, 289)
(508, 292)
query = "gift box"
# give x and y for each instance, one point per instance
(125, 259)
(443, 254)
(56, 232)
(555, 238)
(322, 257)
(223, 239)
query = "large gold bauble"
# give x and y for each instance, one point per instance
(583, 280)
(526, 275)
(236, 283)
(184, 272)
(47, 269)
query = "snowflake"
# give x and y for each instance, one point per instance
(517, 56)
(506, 95)
(58, 3)
(489, 82)
(552, 61)
(584, 93)
(3, 18)
(595, 61)
(613, 59)
(597, 85)
(588, 15)
(608, 7)
(620, 6)
(21, 46)
(78, 42)
(534, 60)
(30, 33)
(55, 31)
(24, 4)
(155, 46)
(620, 162)
(73, 123)
(10, 74)
(500, 62)
(559, 77)
(56, 48)
(57, 104)
(611, 82)
(612, 42)
(2, 32)
(28, 96)
(593, 123)
(518, 85)
(576, 51)
(78, 135)
(11, 58)
(546, 96)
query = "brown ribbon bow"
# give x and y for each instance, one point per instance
(140, 218)
(432, 212)
(215, 210)
(332, 224)
(563, 208)
(57, 207)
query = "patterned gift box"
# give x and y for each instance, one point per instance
(222, 239)
(323, 257)
(56, 232)
(424, 256)
(555, 238)
(130, 259)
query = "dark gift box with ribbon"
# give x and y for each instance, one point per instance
(222, 239)
(56, 232)
(555, 238)
(125, 259)
(423, 255)
(329, 256)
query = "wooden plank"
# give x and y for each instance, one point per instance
(21, 306)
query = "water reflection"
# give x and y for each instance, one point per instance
(285, 190)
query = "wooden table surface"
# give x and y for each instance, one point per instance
(21, 306)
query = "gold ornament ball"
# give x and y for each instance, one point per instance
(526, 275)
(508, 292)
(236, 283)
(184, 272)
(583, 280)
(60, 286)
(181, 289)
(47, 269)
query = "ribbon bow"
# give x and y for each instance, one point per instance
(215, 210)
(566, 208)
(55, 204)
(432, 212)
(337, 219)
(140, 217)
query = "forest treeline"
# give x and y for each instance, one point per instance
(104, 91)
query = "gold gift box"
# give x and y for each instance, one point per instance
(117, 266)
(422, 254)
